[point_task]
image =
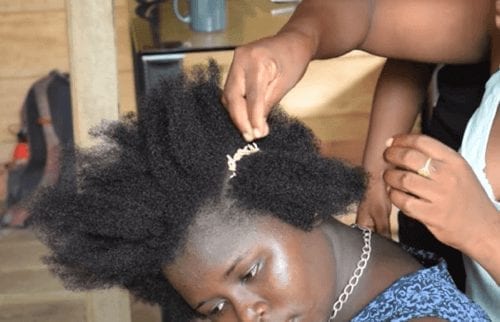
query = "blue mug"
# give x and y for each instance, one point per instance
(204, 15)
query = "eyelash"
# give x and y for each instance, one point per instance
(251, 273)
(219, 307)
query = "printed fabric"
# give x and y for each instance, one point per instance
(429, 292)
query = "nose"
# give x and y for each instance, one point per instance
(254, 312)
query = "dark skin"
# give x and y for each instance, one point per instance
(434, 31)
(442, 194)
(264, 268)
(437, 31)
(401, 89)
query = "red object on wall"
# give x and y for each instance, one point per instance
(21, 152)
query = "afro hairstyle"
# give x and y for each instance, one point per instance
(122, 208)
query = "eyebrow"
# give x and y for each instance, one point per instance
(200, 305)
(233, 265)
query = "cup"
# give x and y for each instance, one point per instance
(203, 15)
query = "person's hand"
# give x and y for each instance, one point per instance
(375, 208)
(450, 201)
(261, 73)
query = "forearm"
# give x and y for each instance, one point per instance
(399, 95)
(452, 31)
(332, 27)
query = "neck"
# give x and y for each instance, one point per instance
(387, 263)
(346, 245)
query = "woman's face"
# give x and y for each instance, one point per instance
(258, 270)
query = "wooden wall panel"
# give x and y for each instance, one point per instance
(123, 39)
(40, 5)
(12, 93)
(30, 5)
(93, 65)
(126, 92)
(126, 89)
(32, 43)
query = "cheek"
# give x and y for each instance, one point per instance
(320, 273)
(282, 271)
(305, 279)
(283, 283)
(315, 279)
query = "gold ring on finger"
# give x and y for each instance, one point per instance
(425, 171)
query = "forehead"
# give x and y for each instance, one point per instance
(213, 239)
(212, 245)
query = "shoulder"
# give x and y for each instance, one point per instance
(420, 295)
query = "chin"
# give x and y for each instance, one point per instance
(309, 317)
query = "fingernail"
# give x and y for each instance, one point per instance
(389, 141)
(266, 129)
(248, 137)
(256, 133)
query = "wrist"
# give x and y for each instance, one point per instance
(376, 172)
(303, 43)
(487, 241)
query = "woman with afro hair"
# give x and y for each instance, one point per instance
(175, 207)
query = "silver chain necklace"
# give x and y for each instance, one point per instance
(353, 281)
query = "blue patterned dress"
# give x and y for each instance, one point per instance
(429, 292)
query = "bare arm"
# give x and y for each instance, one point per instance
(262, 72)
(450, 31)
(399, 95)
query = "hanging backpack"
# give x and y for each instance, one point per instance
(46, 124)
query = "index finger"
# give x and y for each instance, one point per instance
(234, 99)
(259, 85)
(428, 146)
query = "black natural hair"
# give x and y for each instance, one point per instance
(121, 210)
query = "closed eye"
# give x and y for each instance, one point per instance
(217, 309)
(251, 273)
